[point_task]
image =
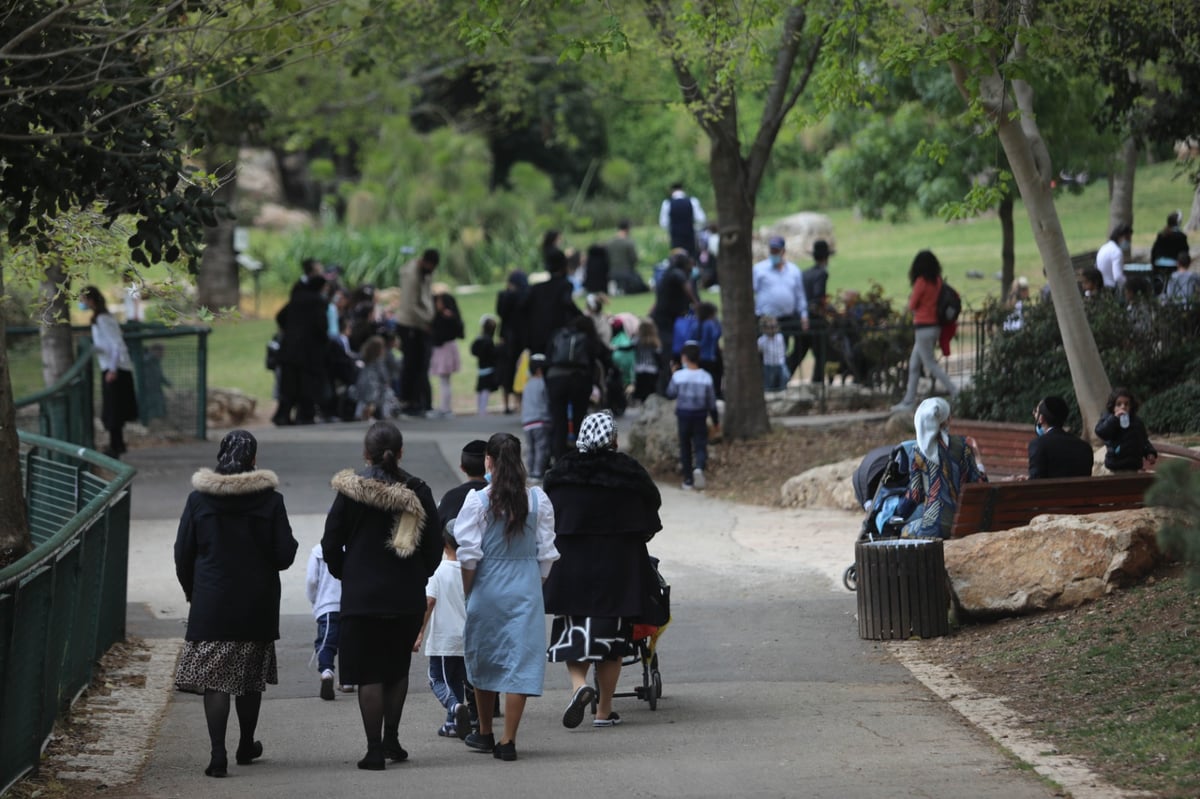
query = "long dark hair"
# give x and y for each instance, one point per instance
(99, 306)
(1117, 393)
(509, 499)
(383, 444)
(924, 265)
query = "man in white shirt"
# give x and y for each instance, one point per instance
(1110, 258)
(779, 292)
(681, 215)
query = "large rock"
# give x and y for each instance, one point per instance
(228, 407)
(1052, 563)
(828, 486)
(799, 231)
(653, 438)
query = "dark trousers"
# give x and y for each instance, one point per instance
(817, 341)
(693, 437)
(790, 329)
(666, 338)
(567, 393)
(326, 643)
(299, 388)
(416, 394)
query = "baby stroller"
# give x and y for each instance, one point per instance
(644, 645)
(882, 476)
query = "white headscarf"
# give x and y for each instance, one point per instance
(930, 418)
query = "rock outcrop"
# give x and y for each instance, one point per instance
(228, 407)
(828, 486)
(1054, 562)
(653, 437)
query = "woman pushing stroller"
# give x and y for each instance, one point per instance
(605, 510)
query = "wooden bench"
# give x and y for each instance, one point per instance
(987, 507)
(1003, 446)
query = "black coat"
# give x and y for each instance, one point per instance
(234, 538)
(547, 308)
(1126, 446)
(305, 328)
(1057, 453)
(383, 541)
(605, 510)
(452, 500)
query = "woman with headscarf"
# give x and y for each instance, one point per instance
(510, 307)
(506, 547)
(383, 541)
(941, 464)
(117, 397)
(234, 538)
(605, 509)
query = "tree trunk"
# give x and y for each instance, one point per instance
(217, 283)
(1120, 201)
(1007, 244)
(1193, 222)
(745, 404)
(58, 352)
(1087, 372)
(14, 524)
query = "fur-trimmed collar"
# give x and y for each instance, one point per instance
(206, 481)
(608, 469)
(395, 498)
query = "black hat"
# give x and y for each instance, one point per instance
(821, 250)
(475, 447)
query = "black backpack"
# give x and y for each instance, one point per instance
(949, 305)
(569, 347)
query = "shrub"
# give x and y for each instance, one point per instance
(1177, 487)
(1176, 410)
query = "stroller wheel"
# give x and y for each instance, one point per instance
(850, 577)
(657, 684)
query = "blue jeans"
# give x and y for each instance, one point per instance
(775, 377)
(448, 679)
(326, 643)
(693, 435)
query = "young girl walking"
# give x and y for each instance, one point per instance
(444, 360)
(484, 350)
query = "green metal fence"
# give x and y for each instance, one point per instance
(170, 375)
(63, 604)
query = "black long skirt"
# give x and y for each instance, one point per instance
(374, 649)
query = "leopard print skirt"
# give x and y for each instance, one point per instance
(233, 667)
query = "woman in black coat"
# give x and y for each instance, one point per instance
(234, 538)
(605, 510)
(383, 541)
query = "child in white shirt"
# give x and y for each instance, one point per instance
(442, 634)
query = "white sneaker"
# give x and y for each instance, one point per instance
(698, 479)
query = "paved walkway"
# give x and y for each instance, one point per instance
(768, 691)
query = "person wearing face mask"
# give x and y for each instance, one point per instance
(1056, 452)
(1111, 257)
(779, 293)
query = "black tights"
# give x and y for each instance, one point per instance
(216, 713)
(381, 705)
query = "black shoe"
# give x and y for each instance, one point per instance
(218, 766)
(506, 751)
(462, 721)
(374, 760)
(246, 753)
(327, 688)
(481, 742)
(392, 749)
(573, 715)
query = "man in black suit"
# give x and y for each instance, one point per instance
(1055, 452)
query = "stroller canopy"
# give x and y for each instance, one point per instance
(866, 477)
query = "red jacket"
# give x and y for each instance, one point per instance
(923, 301)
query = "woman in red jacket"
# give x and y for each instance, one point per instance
(925, 276)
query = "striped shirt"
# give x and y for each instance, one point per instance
(773, 349)
(692, 390)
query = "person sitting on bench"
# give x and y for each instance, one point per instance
(1055, 452)
(941, 464)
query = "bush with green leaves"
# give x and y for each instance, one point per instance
(1176, 410)
(1177, 488)
(1147, 347)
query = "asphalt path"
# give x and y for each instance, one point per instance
(767, 688)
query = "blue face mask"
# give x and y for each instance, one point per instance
(487, 476)
(82, 305)
(776, 259)
(695, 272)
(1039, 429)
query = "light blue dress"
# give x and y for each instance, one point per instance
(505, 635)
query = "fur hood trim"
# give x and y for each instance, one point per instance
(206, 481)
(395, 498)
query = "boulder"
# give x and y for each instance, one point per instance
(792, 401)
(799, 231)
(653, 438)
(228, 407)
(828, 486)
(1054, 562)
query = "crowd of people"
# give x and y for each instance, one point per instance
(470, 578)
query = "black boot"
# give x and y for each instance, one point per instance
(392, 749)
(218, 766)
(374, 760)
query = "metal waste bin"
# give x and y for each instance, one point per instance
(901, 589)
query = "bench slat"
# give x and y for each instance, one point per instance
(984, 507)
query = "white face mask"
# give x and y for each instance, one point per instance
(776, 259)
